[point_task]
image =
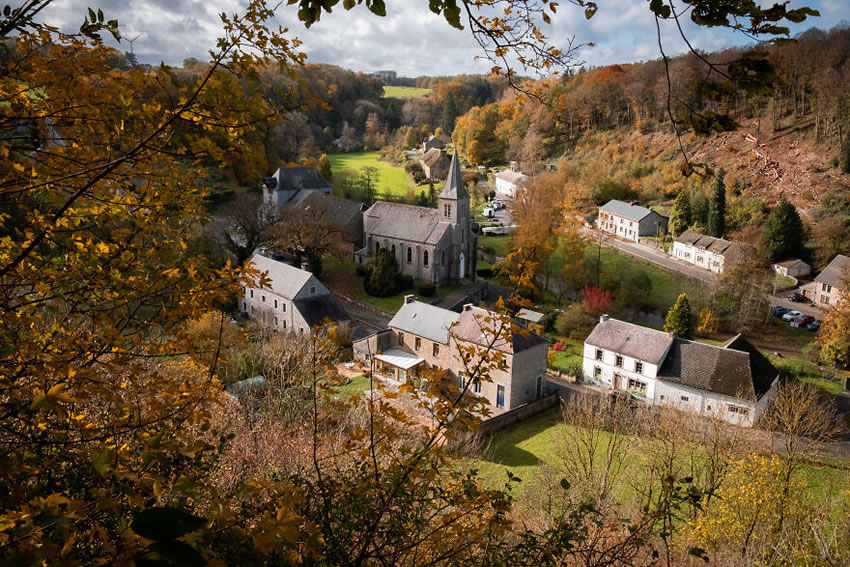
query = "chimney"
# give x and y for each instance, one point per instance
(603, 318)
(409, 298)
(467, 306)
(305, 266)
(672, 334)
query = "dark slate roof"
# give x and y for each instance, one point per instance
(710, 243)
(406, 222)
(317, 309)
(631, 340)
(736, 369)
(475, 326)
(832, 274)
(625, 210)
(455, 188)
(336, 211)
(293, 178)
(424, 320)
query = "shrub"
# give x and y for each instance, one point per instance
(559, 347)
(403, 282)
(485, 272)
(361, 270)
(427, 290)
(575, 322)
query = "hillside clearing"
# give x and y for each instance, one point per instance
(405, 92)
(392, 180)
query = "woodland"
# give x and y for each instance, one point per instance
(118, 445)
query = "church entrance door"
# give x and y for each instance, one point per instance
(462, 269)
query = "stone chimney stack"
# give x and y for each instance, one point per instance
(305, 266)
(409, 298)
(467, 306)
(603, 318)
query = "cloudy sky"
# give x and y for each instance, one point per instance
(410, 39)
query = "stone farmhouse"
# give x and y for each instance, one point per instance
(703, 251)
(291, 185)
(508, 181)
(825, 289)
(344, 218)
(434, 245)
(435, 164)
(733, 382)
(436, 142)
(422, 336)
(630, 221)
(294, 300)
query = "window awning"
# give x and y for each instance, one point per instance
(399, 358)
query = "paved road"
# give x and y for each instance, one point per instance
(781, 299)
(367, 319)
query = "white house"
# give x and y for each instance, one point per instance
(292, 300)
(630, 221)
(794, 268)
(508, 181)
(733, 382)
(707, 252)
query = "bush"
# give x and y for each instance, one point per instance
(609, 189)
(575, 322)
(559, 346)
(383, 274)
(485, 272)
(427, 290)
(403, 282)
(361, 270)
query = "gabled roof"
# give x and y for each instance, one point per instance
(710, 243)
(406, 222)
(791, 263)
(529, 315)
(431, 157)
(631, 340)
(336, 211)
(512, 176)
(625, 210)
(424, 320)
(454, 188)
(832, 274)
(478, 326)
(317, 309)
(286, 280)
(294, 178)
(737, 369)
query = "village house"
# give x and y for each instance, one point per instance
(433, 245)
(794, 268)
(825, 289)
(343, 217)
(422, 336)
(733, 382)
(630, 221)
(509, 181)
(291, 185)
(707, 252)
(293, 300)
(436, 142)
(435, 164)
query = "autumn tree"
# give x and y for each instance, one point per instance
(302, 234)
(596, 300)
(834, 337)
(680, 219)
(784, 234)
(325, 167)
(680, 318)
(717, 207)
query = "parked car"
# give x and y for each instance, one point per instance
(814, 326)
(791, 315)
(778, 311)
(797, 297)
(489, 212)
(802, 320)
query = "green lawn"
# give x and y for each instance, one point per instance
(780, 281)
(498, 245)
(405, 92)
(356, 386)
(567, 359)
(805, 371)
(394, 180)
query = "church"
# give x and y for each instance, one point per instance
(434, 245)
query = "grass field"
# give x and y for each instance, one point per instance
(404, 92)
(357, 385)
(394, 180)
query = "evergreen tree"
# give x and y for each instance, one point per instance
(717, 208)
(432, 194)
(325, 167)
(679, 319)
(383, 273)
(449, 114)
(681, 218)
(783, 232)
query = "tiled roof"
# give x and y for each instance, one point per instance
(791, 263)
(630, 340)
(292, 178)
(286, 280)
(478, 326)
(431, 157)
(424, 320)
(530, 315)
(406, 222)
(336, 211)
(832, 274)
(512, 176)
(625, 210)
(710, 243)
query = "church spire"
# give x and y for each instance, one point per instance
(455, 188)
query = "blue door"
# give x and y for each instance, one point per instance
(500, 397)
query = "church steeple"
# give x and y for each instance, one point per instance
(454, 199)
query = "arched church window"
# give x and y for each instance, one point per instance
(377, 247)
(425, 258)
(409, 255)
(393, 249)
(443, 257)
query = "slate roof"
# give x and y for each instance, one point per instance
(512, 176)
(736, 369)
(832, 274)
(431, 157)
(424, 320)
(303, 177)
(286, 280)
(455, 188)
(630, 340)
(336, 211)
(710, 243)
(530, 315)
(791, 263)
(406, 222)
(475, 326)
(317, 308)
(625, 210)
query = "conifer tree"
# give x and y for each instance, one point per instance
(681, 218)
(679, 319)
(717, 207)
(783, 232)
